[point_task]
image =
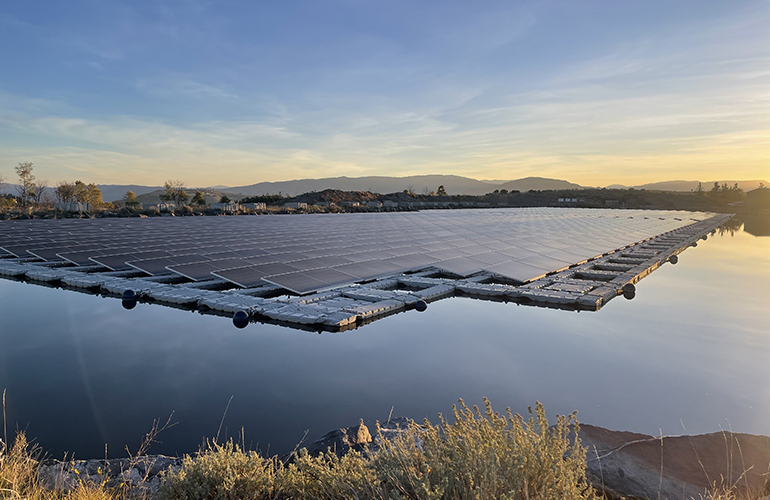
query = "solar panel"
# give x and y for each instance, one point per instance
(118, 262)
(297, 282)
(246, 277)
(517, 243)
(462, 266)
(517, 271)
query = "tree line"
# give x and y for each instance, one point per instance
(31, 191)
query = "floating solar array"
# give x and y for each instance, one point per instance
(308, 253)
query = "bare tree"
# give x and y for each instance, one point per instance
(26, 181)
(174, 193)
(39, 191)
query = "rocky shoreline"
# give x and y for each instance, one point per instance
(620, 464)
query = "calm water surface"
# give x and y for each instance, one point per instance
(691, 351)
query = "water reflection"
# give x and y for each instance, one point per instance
(730, 227)
(692, 345)
(758, 226)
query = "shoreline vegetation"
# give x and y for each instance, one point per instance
(362, 202)
(474, 454)
(32, 198)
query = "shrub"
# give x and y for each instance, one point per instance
(222, 472)
(479, 456)
(485, 456)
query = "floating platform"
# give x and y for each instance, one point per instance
(529, 256)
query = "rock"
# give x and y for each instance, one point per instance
(359, 434)
(141, 475)
(630, 464)
(341, 441)
(356, 438)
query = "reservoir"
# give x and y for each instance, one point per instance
(687, 355)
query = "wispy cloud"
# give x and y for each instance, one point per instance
(678, 101)
(176, 85)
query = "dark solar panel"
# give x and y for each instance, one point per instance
(329, 276)
(202, 270)
(517, 243)
(118, 262)
(517, 271)
(246, 277)
(462, 266)
(297, 282)
(275, 268)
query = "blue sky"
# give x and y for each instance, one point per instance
(233, 93)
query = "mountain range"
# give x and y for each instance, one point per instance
(453, 184)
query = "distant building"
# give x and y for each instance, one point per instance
(254, 206)
(297, 205)
(374, 204)
(758, 198)
(389, 204)
(325, 204)
(611, 203)
(73, 207)
(349, 203)
(225, 207)
(159, 207)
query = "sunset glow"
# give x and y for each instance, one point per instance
(223, 93)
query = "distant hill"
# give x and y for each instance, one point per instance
(691, 185)
(527, 184)
(115, 192)
(454, 184)
(210, 195)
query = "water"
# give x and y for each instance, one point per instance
(689, 352)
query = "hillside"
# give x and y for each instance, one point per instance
(115, 192)
(527, 184)
(687, 186)
(454, 184)
(210, 195)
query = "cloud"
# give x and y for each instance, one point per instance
(638, 111)
(176, 85)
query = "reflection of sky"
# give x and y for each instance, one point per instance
(693, 345)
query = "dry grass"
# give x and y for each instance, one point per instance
(480, 456)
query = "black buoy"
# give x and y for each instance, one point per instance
(673, 259)
(694, 244)
(129, 295)
(240, 319)
(629, 295)
(421, 305)
(629, 288)
(129, 304)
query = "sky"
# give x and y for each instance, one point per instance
(239, 92)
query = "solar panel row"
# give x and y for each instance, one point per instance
(313, 252)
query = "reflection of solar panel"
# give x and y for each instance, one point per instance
(314, 252)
